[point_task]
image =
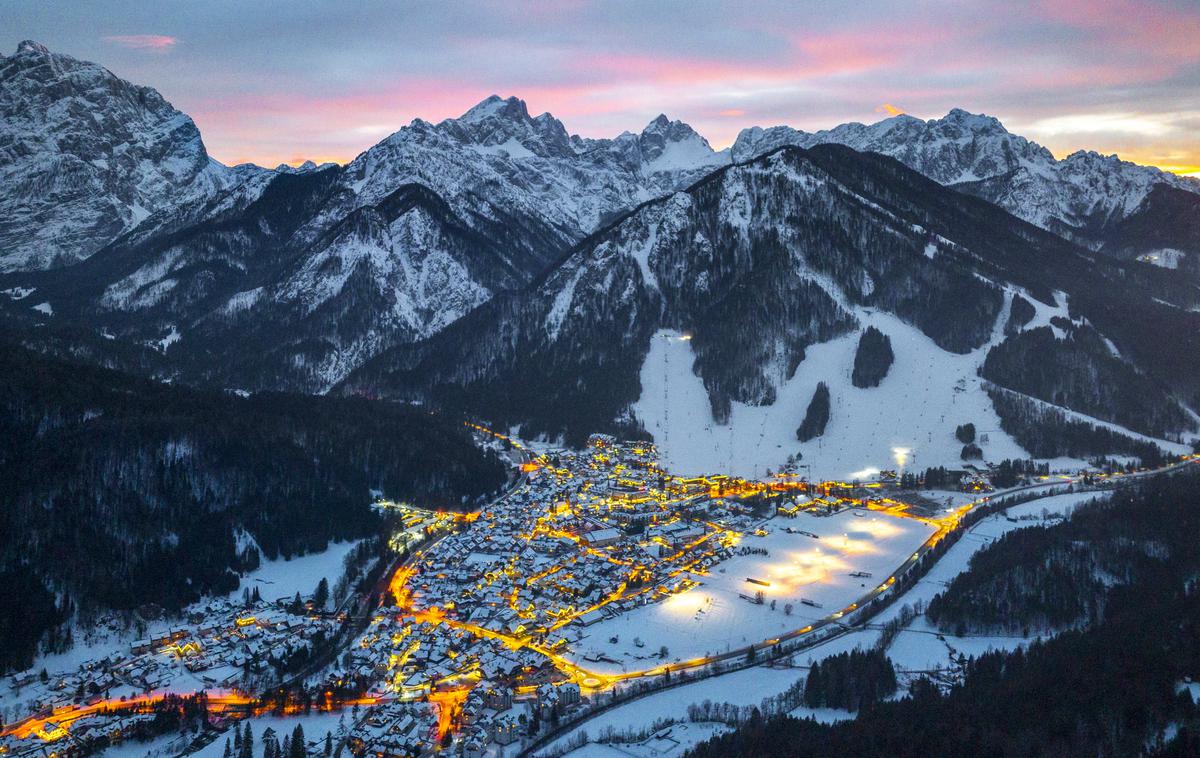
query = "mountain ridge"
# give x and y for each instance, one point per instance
(299, 278)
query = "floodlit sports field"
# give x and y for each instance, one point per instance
(713, 618)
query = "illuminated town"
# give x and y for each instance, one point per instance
(595, 569)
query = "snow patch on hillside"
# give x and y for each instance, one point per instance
(1166, 258)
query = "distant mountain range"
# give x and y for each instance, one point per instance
(497, 264)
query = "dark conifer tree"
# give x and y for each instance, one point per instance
(873, 358)
(817, 416)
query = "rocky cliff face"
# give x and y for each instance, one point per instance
(86, 156)
(294, 277)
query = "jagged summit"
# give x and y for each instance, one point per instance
(30, 47)
(1077, 197)
(977, 121)
(322, 267)
(494, 106)
(86, 156)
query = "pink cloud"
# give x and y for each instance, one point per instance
(155, 43)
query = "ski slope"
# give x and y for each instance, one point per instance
(908, 421)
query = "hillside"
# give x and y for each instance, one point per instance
(117, 491)
(765, 269)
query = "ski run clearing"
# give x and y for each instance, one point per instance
(905, 422)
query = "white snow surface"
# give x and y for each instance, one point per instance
(283, 579)
(907, 421)
(746, 687)
(712, 618)
(917, 649)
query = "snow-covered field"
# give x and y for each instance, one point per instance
(283, 579)
(315, 726)
(916, 649)
(907, 421)
(746, 687)
(712, 618)
(674, 740)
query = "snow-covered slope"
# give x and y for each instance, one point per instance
(1080, 196)
(295, 277)
(86, 156)
(908, 421)
(772, 269)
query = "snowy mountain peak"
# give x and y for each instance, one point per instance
(1076, 197)
(977, 122)
(672, 131)
(659, 122)
(86, 156)
(670, 145)
(29, 47)
(494, 106)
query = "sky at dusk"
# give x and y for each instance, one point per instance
(283, 82)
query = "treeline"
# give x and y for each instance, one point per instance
(1107, 689)
(1080, 372)
(850, 680)
(1008, 473)
(118, 491)
(1050, 433)
(1020, 313)
(1006, 593)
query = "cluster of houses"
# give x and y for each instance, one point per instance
(396, 729)
(229, 641)
(475, 637)
(490, 608)
(222, 644)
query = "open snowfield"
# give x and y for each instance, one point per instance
(746, 687)
(712, 618)
(907, 421)
(283, 579)
(674, 740)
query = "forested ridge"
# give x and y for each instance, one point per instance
(1047, 432)
(1078, 370)
(1105, 688)
(117, 491)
